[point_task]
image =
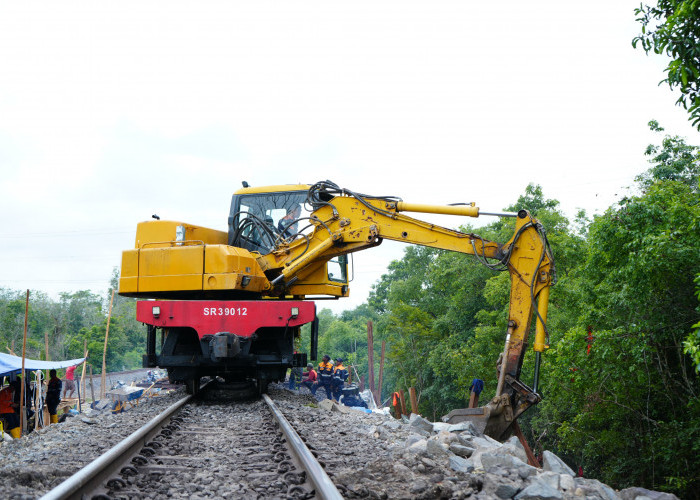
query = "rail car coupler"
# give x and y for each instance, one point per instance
(224, 345)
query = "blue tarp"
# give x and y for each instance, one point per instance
(13, 364)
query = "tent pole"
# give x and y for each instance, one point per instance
(22, 413)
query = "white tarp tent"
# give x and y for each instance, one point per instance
(13, 364)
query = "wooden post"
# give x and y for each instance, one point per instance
(402, 398)
(82, 376)
(381, 374)
(370, 356)
(414, 399)
(22, 413)
(104, 353)
(92, 385)
(531, 460)
(46, 341)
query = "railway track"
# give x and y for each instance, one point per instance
(200, 448)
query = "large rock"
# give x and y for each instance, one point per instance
(506, 490)
(326, 404)
(539, 491)
(567, 483)
(412, 439)
(553, 463)
(436, 447)
(497, 458)
(440, 426)
(463, 427)
(550, 478)
(461, 450)
(514, 447)
(635, 493)
(460, 464)
(392, 424)
(468, 439)
(419, 447)
(593, 487)
(419, 422)
(329, 405)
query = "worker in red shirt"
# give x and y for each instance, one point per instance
(309, 378)
(7, 411)
(70, 382)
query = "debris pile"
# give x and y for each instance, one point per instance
(382, 457)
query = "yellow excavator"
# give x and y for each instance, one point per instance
(230, 303)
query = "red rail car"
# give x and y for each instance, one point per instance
(231, 339)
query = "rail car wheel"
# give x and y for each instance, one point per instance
(192, 385)
(261, 385)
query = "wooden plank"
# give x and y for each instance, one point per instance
(414, 399)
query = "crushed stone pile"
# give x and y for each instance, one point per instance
(367, 455)
(378, 456)
(41, 460)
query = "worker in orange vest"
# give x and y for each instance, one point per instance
(7, 411)
(396, 403)
(325, 377)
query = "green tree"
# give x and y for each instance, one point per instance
(628, 410)
(672, 27)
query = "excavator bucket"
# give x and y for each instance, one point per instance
(494, 419)
(479, 417)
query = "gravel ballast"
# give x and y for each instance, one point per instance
(366, 455)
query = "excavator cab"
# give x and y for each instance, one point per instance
(259, 219)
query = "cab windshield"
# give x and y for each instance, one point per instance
(258, 221)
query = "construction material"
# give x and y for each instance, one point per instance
(104, 353)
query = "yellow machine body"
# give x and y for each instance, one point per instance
(259, 259)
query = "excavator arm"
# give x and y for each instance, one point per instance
(345, 222)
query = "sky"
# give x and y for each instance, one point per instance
(113, 111)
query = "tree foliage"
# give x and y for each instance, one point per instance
(71, 322)
(672, 27)
(623, 402)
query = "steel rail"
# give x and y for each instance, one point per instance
(325, 488)
(93, 474)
